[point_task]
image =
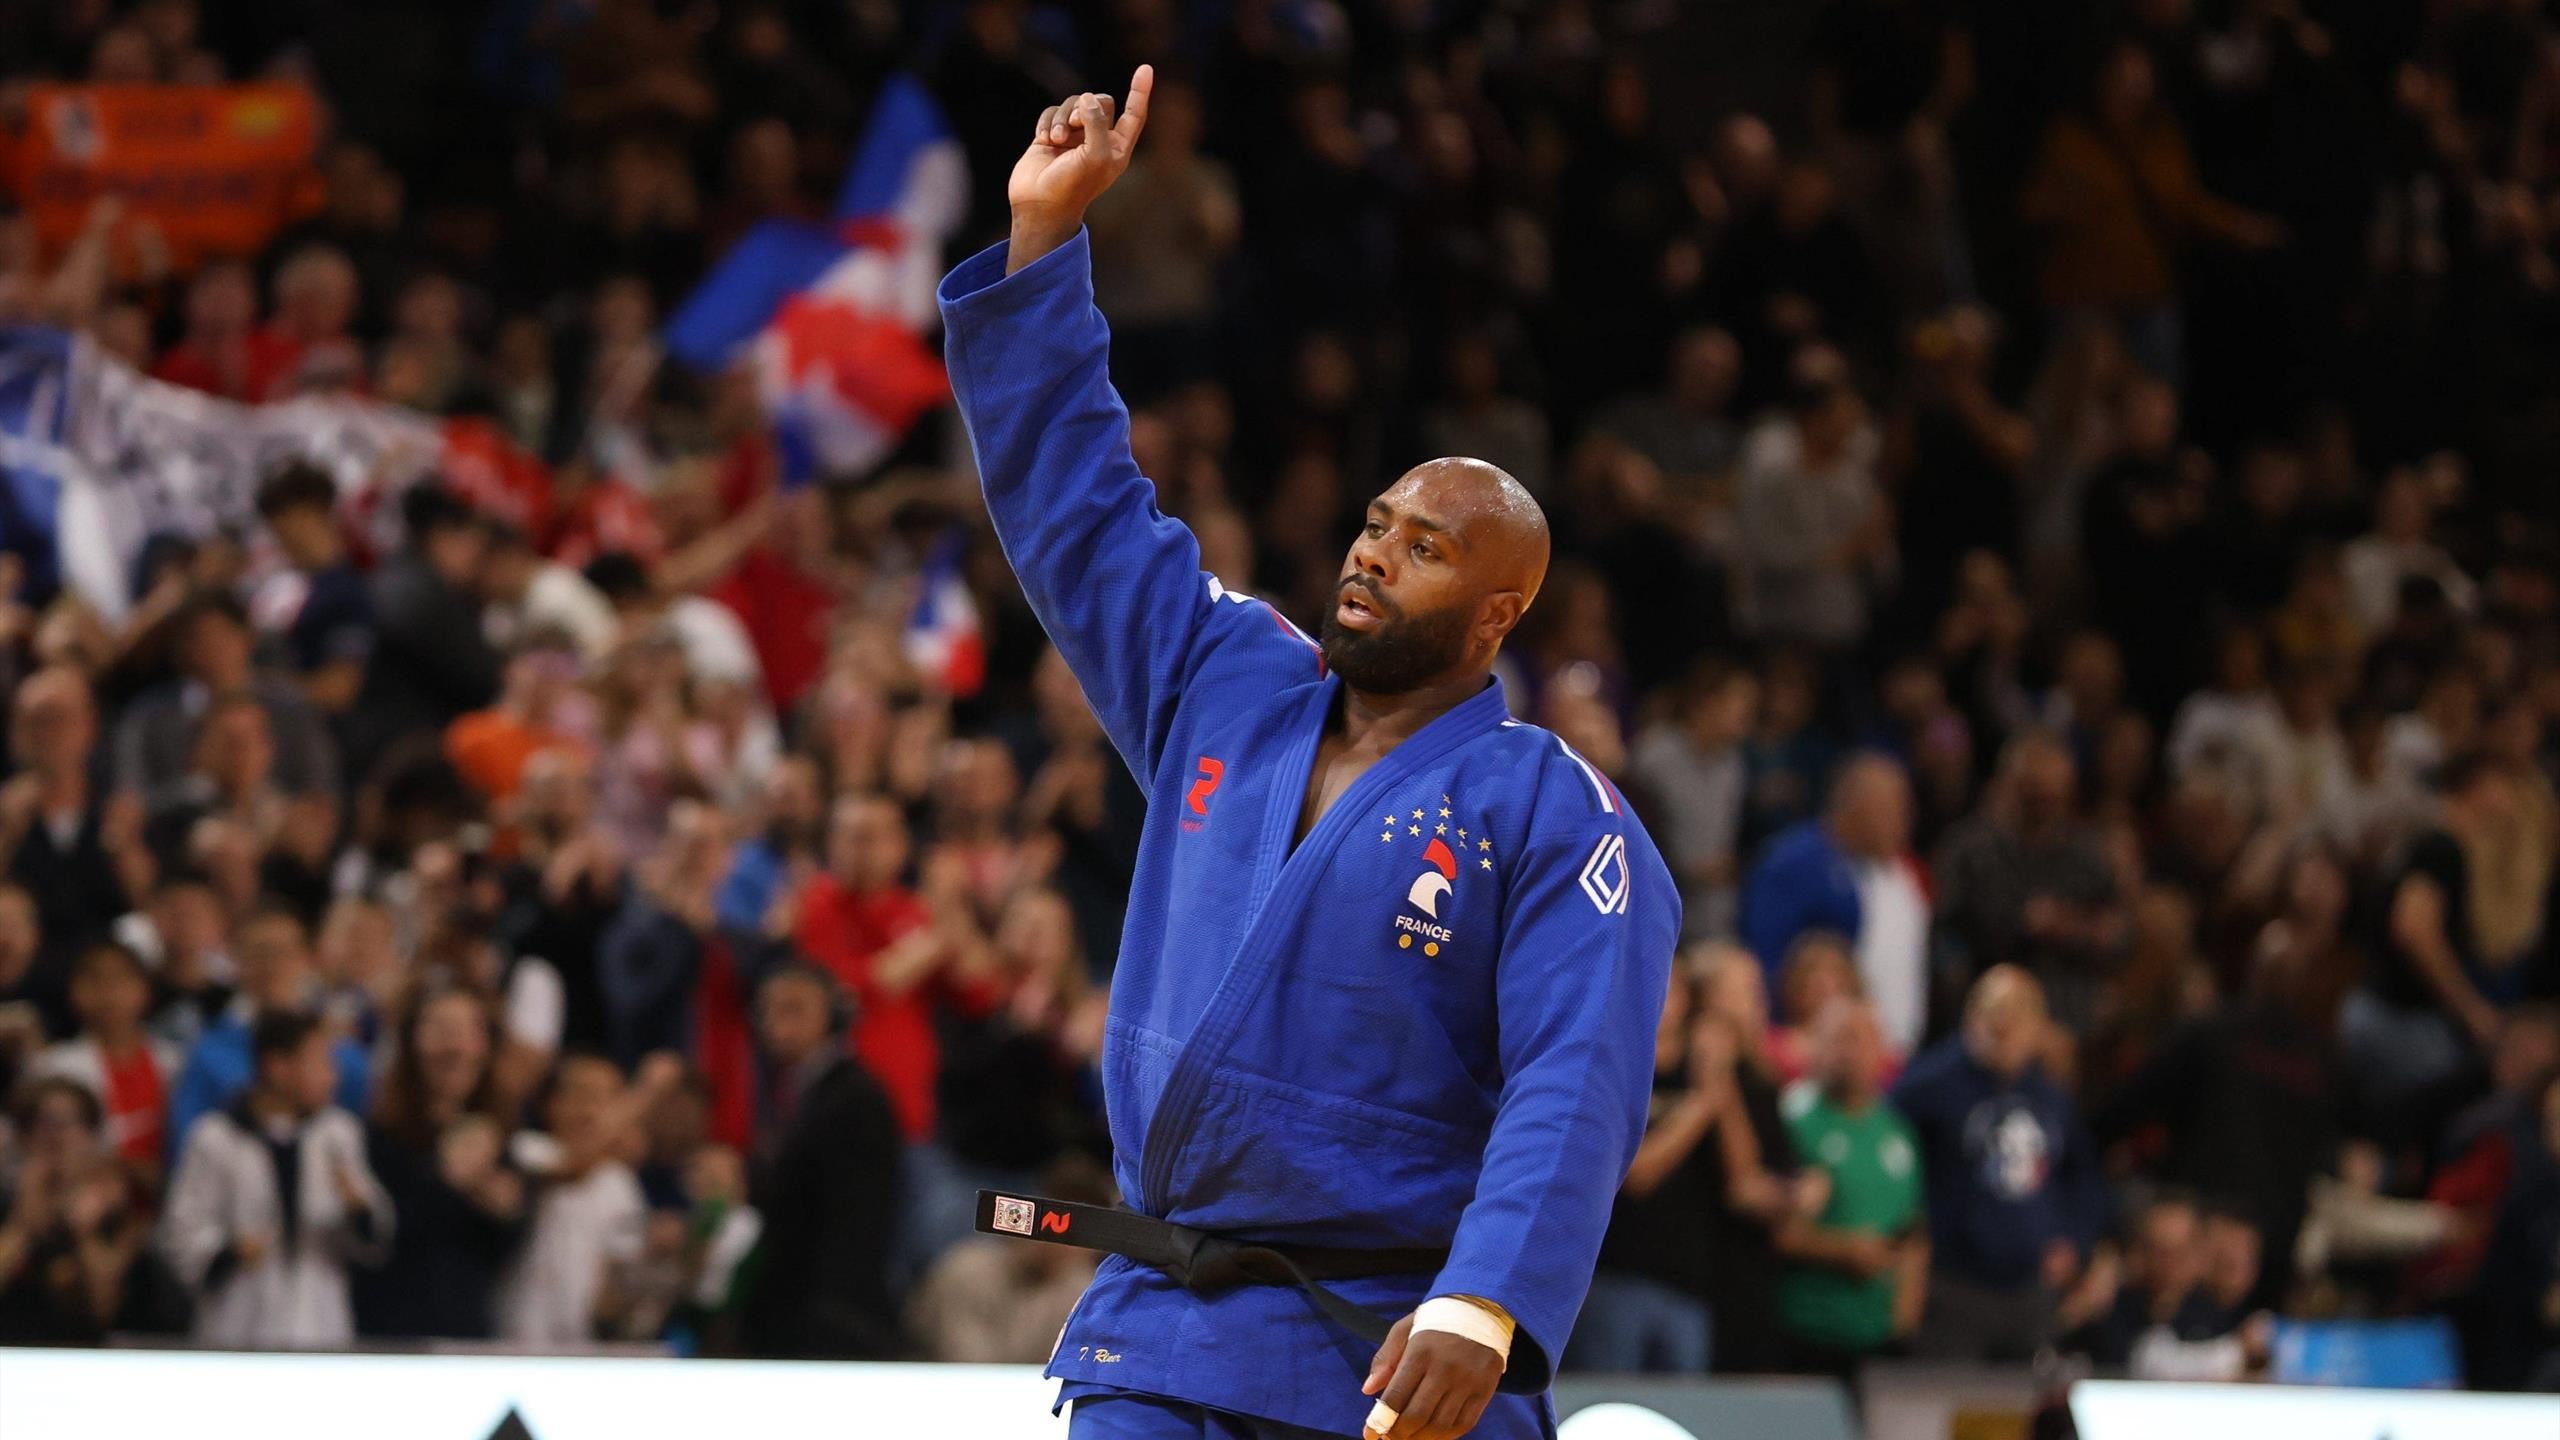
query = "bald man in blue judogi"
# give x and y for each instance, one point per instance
(1393, 960)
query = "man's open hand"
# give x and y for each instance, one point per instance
(1437, 1383)
(1076, 151)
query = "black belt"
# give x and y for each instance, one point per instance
(1204, 1263)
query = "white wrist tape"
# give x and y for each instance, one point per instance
(1452, 1315)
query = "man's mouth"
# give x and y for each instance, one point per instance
(1357, 612)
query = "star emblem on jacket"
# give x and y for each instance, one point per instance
(1430, 898)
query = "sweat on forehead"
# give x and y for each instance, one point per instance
(1493, 516)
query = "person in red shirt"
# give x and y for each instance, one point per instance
(223, 353)
(858, 922)
(113, 1058)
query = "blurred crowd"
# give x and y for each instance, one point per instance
(2053, 533)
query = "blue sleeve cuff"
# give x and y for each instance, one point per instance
(979, 285)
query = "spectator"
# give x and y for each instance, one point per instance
(230, 782)
(430, 663)
(2247, 1104)
(1477, 417)
(1954, 452)
(2146, 514)
(2520, 1276)
(183, 935)
(128, 1071)
(1667, 1281)
(223, 352)
(76, 1261)
(663, 960)
(563, 886)
(2376, 807)
(1818, 970)
(1690, 765)
(272, 1200)
(713, 641)
(2316, 625)
(1790, 755)
(1807, 878)
(2167, 1324)
(2236, 729)
(860, 924)
(2116, 193)
(1860, 1279)
(155, 743)
(2488, 1145)
(2164, 983)
(2016, 1200)
(528, 594)
(2311, 753)
(2234, 1249)
(1816, 532)
(317, 610)
(315, 308)
(490, 748)
(2513, 864)
(274, 959)
(2431, 1005)
(1015, 1080)
(2379, 564)
(769, 865)
(828, 1182)
(76, 849)
(588, 1214)
(2023, 882)
(1687, 429)
(438, 1142)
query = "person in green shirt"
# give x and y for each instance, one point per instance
(1859, 1269)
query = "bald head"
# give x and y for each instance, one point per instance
(2004, 1020)
(1447, 561)
(1496, 520)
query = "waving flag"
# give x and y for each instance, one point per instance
(833, 317)
(943, 640)
(97, 458)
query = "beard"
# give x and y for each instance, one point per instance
(1404, 653)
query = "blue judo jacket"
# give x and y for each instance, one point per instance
(1430, 1023)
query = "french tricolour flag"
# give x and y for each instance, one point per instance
(833, 317)
(943, 640)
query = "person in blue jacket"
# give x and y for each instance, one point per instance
(274, 956)
(2017, 1197)
(1393, 960)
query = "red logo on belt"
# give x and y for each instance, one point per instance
(1211, 772)
(1056, 1222)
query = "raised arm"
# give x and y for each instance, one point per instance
(1116, 583)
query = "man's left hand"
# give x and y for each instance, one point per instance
(1437, 1383)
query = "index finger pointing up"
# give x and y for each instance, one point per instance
(1133, 116)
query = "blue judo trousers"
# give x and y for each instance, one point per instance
(1430, 1023)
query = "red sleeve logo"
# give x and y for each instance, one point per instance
(1056, 1222)
(1211, 772)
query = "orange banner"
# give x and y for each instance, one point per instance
(215, 169)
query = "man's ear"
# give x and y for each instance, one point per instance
(1501, 614)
